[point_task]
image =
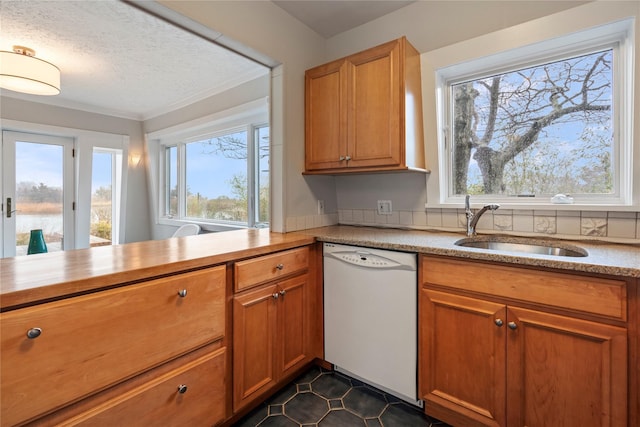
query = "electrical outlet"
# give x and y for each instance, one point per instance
(320, 207)
(384, 207)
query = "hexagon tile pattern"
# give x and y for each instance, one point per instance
(321, 398)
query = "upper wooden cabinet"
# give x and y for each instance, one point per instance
(363, 113)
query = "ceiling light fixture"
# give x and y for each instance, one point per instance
(21, 71)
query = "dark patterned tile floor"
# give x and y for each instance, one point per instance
(321, 398)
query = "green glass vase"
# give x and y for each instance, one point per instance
(36, 243)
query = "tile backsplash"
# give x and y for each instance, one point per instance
(621, 227)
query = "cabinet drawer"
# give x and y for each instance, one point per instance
(259, 270)
(160, 401)
(90, 342)
(599, 296)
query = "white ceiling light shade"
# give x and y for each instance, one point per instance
(21, 71)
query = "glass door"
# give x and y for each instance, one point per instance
(37, 191)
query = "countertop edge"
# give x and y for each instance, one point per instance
(25, 282)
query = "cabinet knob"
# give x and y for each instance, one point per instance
(34, 333)
(512, 325)
(341, 158)
(275, 295)
(280, 267)
(283, 292)
(182, 388)
(347, 158)
(498, 322)
(182, 293)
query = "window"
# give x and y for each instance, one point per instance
(105, 196)
(551, 118)
(217, 173)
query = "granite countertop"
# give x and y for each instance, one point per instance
(602, 258)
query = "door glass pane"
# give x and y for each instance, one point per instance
(101, 199)
(39, 191)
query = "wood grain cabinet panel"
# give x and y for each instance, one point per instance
(326, 116)
(90, 342)
(463, 370)
(191, 395)
(256, 271)
(363, 113)
(565, 372)
(274, 323)
(271, 336)
(254, 329)
(489, 360)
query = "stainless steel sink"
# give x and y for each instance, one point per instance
(530, 246)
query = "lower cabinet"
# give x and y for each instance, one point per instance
(189, 395)
(270, 336)
(489, 361)
(60, 353)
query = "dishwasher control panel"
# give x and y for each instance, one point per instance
(371, 258)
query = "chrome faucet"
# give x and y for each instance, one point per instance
(472, 219)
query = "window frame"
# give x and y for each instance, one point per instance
(246, 117)
(616, 35)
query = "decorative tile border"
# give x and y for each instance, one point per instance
(622, 227)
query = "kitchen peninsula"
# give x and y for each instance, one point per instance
(143, 321)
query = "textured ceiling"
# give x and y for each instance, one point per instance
(118, 60)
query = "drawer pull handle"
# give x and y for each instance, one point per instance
(34, 333)
(182, 388)
(275, 295)
(280, 267)
(182, 293)
(498, 322)
(512, 325)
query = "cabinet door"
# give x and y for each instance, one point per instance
(254, 327)
(462, 359)
(564, 371)
(293, 328)
(374, 128)
(326, 116)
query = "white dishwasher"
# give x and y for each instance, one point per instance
(371, 316)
